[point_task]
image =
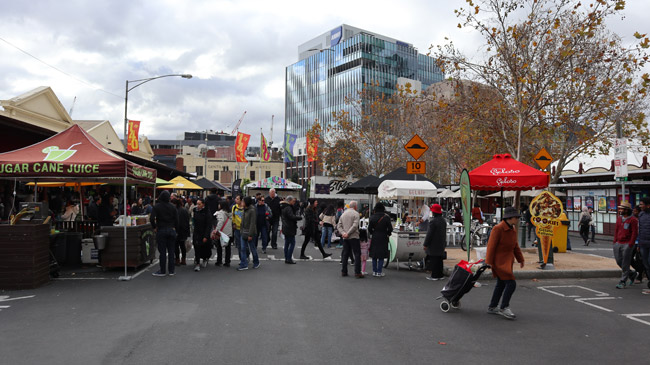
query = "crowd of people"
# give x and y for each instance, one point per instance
(252, 223)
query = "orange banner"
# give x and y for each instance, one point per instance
(312, 148)
(133, 143)
(240, 146)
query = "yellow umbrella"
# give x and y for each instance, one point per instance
(180, 182)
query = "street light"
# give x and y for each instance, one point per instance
(126, 97)
(126, 142)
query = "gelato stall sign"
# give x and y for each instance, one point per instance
(546, 209)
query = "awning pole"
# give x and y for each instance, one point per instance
(126, 277)
(81, 200)
(502, 202)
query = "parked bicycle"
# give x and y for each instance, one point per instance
(479, 234)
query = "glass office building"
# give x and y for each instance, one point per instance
(336, 65)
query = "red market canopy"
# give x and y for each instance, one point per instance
(505, 173)
(70, 154)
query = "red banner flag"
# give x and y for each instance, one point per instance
(266, 155)
(240, 146)
(133, 143)
(312, 148)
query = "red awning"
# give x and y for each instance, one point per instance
(504, 172)
(72, 153)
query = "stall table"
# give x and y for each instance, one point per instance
(140, 246)
(406, 246)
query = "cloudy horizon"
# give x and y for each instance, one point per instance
(236, 51)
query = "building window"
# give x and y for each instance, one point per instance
(199, 171)
(267, 174)
(252, 175)
(216, 175)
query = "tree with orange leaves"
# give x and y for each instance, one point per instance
(553, 76)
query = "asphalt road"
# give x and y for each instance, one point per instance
(308, 313)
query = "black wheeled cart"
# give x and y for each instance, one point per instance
(460, 282)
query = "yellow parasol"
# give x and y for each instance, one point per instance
(180, 182)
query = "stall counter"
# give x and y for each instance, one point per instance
(407, 246)
(140, 246)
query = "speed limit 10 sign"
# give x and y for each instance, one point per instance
(416, 167)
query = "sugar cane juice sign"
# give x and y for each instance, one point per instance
(546, 209)
(52, 162)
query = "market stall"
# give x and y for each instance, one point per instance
(406, 244)
(84, 159)
(282, 186)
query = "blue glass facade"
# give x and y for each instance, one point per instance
(318, 85)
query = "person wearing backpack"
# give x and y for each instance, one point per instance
(584, 224)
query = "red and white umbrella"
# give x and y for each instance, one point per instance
(503, 172)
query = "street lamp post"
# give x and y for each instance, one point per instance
(126, 97)
(126, 277)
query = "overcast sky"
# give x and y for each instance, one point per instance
(236, 50)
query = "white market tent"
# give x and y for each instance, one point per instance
(392, 189)
(274, 182)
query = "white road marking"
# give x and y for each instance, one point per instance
(584, 301)
(154, 262)
(634, 317)
(6, 298)
(63, 279)
(548, 289)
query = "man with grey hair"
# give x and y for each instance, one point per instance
(348, 226)
(273, 201)
(289, 228)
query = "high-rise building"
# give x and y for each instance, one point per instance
(336, 65)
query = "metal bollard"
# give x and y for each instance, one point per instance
(522, 234)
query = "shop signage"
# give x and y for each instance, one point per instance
(546, 209)
(38, 167)
(620, 159)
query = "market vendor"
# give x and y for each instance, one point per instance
(425, 213)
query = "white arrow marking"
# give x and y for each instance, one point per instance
(634, 317)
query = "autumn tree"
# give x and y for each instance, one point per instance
(369, 137)
(552, 76)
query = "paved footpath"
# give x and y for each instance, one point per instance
(308, 313)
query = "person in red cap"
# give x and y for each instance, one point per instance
(435, 243)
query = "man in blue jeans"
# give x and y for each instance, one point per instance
(248, 231)
(348, 226)
(164, 220)
(273, 201)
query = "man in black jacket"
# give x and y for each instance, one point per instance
(164, 220)
(273, 201)
(289, 228)
(212, 203)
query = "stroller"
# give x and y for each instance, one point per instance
(460, 282)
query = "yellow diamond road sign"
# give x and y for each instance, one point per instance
(416, 147)
(543, 158)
